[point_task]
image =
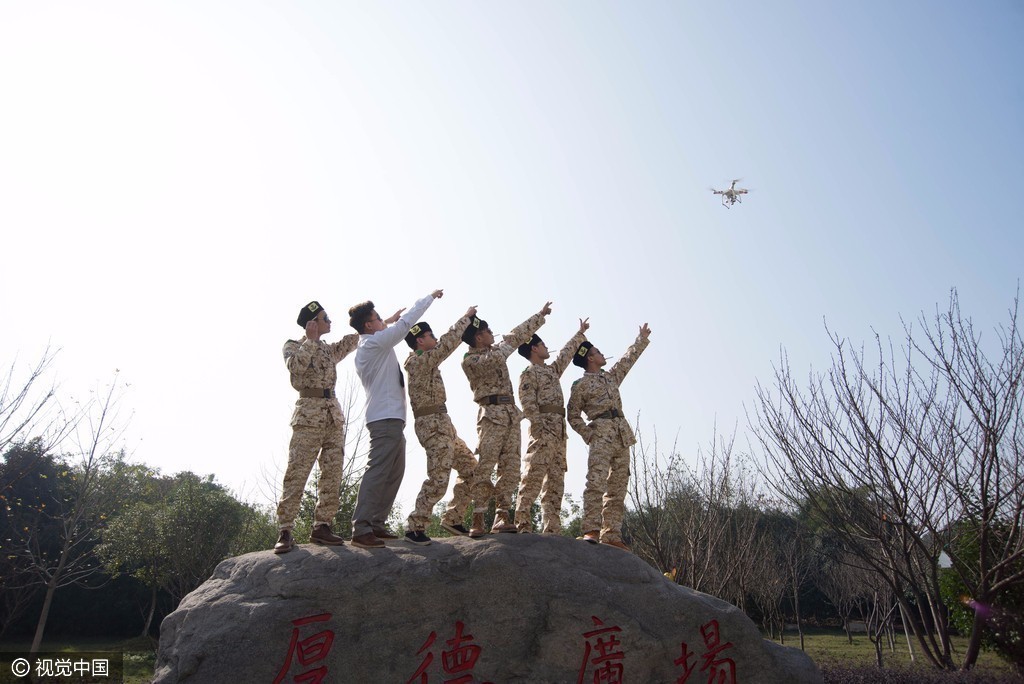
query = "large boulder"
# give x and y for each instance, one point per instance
(505, 608)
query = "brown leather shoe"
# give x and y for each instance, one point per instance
(285, 543)
(503, 527)
(477, 530)
(384, 533)
(523, 528)
(619, 544)
(367, 541)
(593, 537)
(322, 534)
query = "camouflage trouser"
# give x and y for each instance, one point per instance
(605, 492)
(543, 471)
(500, 447)
(445, 451)
(309, 444)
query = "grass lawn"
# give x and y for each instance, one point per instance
(829, 647)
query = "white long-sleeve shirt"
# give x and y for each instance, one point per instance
(378, 368)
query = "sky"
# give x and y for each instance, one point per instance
(178, 179)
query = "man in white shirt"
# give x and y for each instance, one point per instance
(378, 369)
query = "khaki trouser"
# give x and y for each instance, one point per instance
(310, 444)
(544, 472)
(445, 451)
(499, 449)
(605, 491)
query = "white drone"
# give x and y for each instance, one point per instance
(732, 195)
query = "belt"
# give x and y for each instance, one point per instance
(316, 393)
(610, 413)
(429, 410)
(496, 399)
(552, 408)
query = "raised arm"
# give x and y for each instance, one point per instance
(564, 357)
(524, 331)
(391, 336)
(449, 341)
(622, 366)
(343, 347)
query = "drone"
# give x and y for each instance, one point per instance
(732, 195)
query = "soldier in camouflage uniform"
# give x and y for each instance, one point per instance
(544, 466)
(445, 449)
(608, 435)
(318, 427)
(485, 365)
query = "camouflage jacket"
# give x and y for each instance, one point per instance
(596, 393)
(487, 369)
(540, 386)
(313, 365)
(426, 387)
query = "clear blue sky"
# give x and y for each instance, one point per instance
(176, 180)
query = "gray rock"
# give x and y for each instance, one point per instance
(505, 608)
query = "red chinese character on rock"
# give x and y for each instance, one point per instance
(310, 650)
(459, 659)
(421, 672)
(607, 663)
(720, 670)
(684, 662)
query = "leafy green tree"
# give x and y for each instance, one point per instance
(572, 517)
(258, 530)
(172, 540)
(29, 480)
(132, 545)
(196, 528)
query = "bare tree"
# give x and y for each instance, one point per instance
(897, 453)
(90, 491)
(700, 522)
(837, 451)
(25, 407)
(799, 552)
(981, 459)
(769, 590)
(29, 409)
(841, 584)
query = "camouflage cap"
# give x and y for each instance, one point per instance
(475, 326)
(524, 349)
(580, 357)
(308, 313)
(415, 331)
